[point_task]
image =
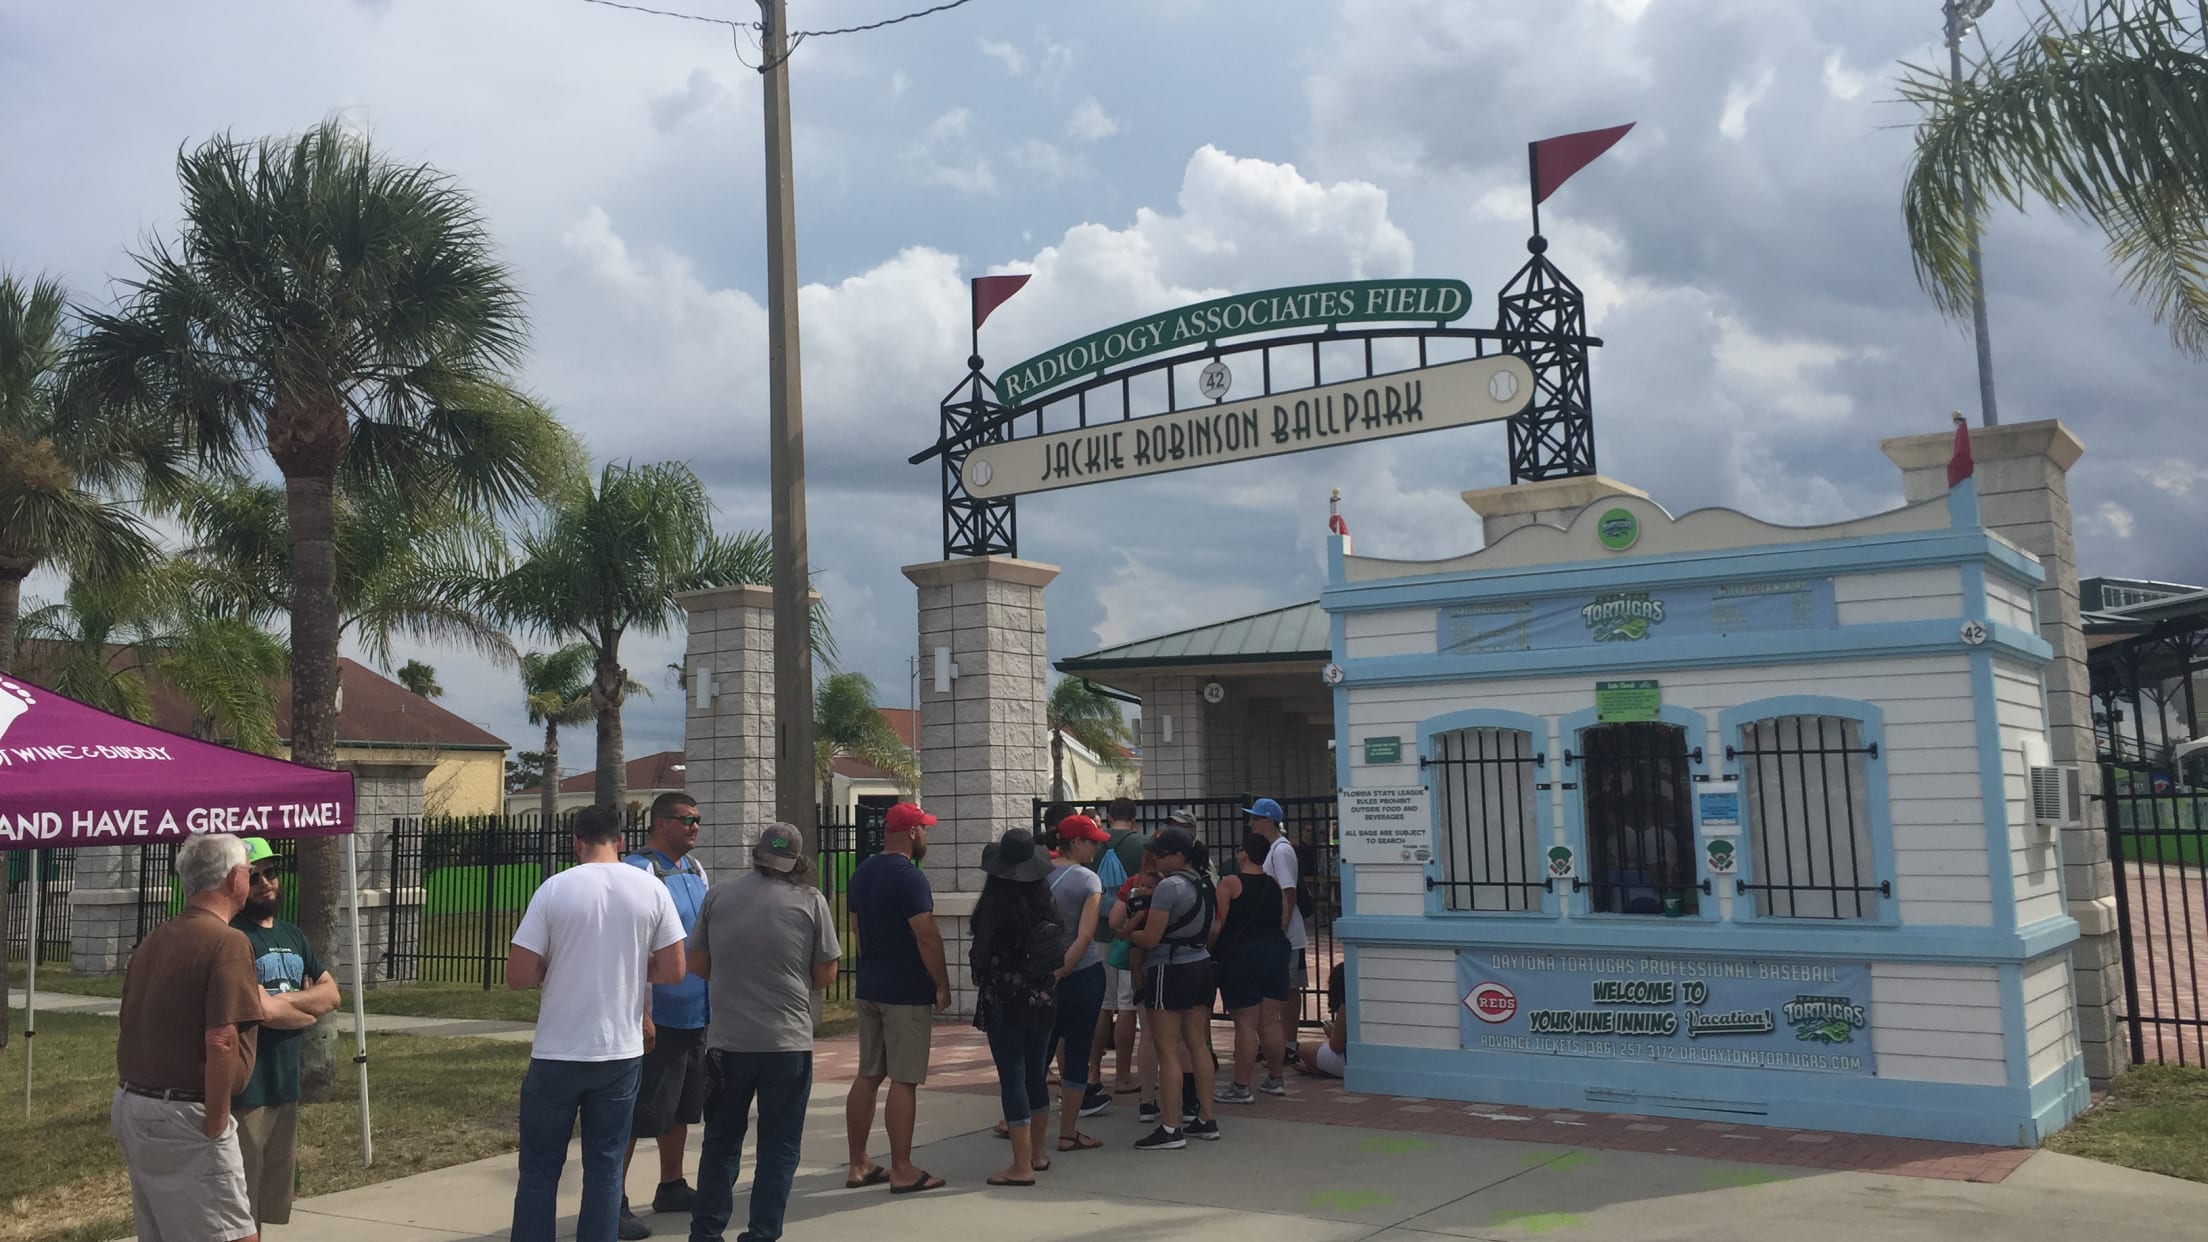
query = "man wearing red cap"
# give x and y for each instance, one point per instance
(902, 984)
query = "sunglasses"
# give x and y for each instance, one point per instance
(688, 821)
(269, 874)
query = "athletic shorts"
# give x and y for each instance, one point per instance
(1251, 973)
(1119, 989)
(1331, 1063)
(893, 1041)
(670, 1087)
(1181, 985)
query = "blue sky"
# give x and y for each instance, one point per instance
(1742, 250)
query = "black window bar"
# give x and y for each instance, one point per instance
(1490, 847)
(1804, 789)
(1635, 789)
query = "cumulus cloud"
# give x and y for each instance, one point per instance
(1090, 122)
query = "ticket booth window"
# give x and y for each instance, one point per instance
(1483, 786)
(1806, 794)
(1636, 782)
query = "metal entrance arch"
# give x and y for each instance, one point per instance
(1541, 317)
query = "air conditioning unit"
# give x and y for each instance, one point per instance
(2057, 800)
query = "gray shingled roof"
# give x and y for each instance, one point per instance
(1295, 633)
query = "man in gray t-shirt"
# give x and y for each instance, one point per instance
(764, 942)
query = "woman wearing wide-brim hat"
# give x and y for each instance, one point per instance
(1018, 956)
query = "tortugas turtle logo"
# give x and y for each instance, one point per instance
(1623, 616)
(1826, 1019)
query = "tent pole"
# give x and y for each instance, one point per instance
(360, 1003)
(30, 989)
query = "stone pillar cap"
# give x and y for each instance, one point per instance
(2047, 438)
(981, 568)
(1548, 495)
(742, 595)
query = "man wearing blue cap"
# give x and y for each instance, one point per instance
(1280, 863)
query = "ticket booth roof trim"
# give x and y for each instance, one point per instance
(1292, 635)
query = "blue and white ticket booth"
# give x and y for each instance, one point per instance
(1709, 818)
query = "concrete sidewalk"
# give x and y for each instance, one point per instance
(1299, 1182)
(383, 1023)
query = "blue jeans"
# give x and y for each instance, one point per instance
(782, 1082)
(552, 1093)
(1020, 1045)
(1080, 1000)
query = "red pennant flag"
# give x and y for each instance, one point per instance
(1960, 465)
(991, 292)
(1556, 159)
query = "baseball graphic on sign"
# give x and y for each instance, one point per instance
(1721, 857)
(1560, 861)
(1503, 387)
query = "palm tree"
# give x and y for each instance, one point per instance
(421, 679)
(2097, 115)
(610, 559)
(51, 457)
(345, 314)
(557, 692)
(1079, 708)
(846, 722)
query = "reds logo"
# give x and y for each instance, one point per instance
(1492, 1003)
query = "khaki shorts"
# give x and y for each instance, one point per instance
(893, 1041)
(268, 1140)
(1119, 990)
(184, 1186)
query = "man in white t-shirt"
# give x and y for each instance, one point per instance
(1280, 863)
(593, 936)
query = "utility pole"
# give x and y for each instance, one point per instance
(793, 656)
(1961, 16)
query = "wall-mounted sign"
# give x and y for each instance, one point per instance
(1619, 702)
(1386, 825)
(1383, 750)
(1722, 855)
(1493, 627)
(1732, 1013)
(1618, 529)
(1454, 394)
(1561, 863)
(1717, 806)
(1215, 380)
(1270, 310)
(1214, 693)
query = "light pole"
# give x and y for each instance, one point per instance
(793, 656)
(1961, 16)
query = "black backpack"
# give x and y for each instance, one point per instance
(1193, 928)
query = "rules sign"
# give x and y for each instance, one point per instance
(1386, 825)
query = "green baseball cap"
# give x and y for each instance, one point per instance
(256, 850)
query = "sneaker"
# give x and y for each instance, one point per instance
(1206, 1130)
(1273, 1086)
(1161, 1139)
(630, 1228)
(1147, 1114)
(1095, 1100)
(674, 1196)
(1233, 1093)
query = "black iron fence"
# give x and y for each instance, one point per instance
(465, 882)
(1309, 826)
(2158, 841)
(54, 871)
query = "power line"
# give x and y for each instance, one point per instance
(688, 17)
(817, 34)
(795, 34)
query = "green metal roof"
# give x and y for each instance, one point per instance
(1295, 633)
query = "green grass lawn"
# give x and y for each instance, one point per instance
(437, 1102)
(2155, 1119)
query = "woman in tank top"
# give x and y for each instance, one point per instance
(1252, 952)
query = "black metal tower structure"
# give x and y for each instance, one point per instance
(1542, 317)
(972, 417)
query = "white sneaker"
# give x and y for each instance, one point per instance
(1272, 1086)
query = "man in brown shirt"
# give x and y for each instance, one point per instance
(191, 1003)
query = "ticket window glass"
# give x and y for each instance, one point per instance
(1636, 786)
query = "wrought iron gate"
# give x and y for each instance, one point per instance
(2158, 844)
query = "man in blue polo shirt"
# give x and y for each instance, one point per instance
(670, 1094)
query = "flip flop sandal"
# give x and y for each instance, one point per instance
(997, 1180)
(1044, 1167)
(1002, 1131)
(1079, 1142)
(928, 1181)
(874, 1177)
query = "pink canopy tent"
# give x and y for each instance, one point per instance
(72, 776)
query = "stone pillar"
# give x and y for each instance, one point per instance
(1177, 766)
(103, 910)
(384, 790)
(984, 753)
(1552, 502)
(728, 727)
(2021, 471)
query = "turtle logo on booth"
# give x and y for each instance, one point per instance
(1492, 1003)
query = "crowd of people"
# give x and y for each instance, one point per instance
(669, 1001)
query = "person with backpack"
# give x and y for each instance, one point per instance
(1175, 938)
(1018, 955)
(1120, 858)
